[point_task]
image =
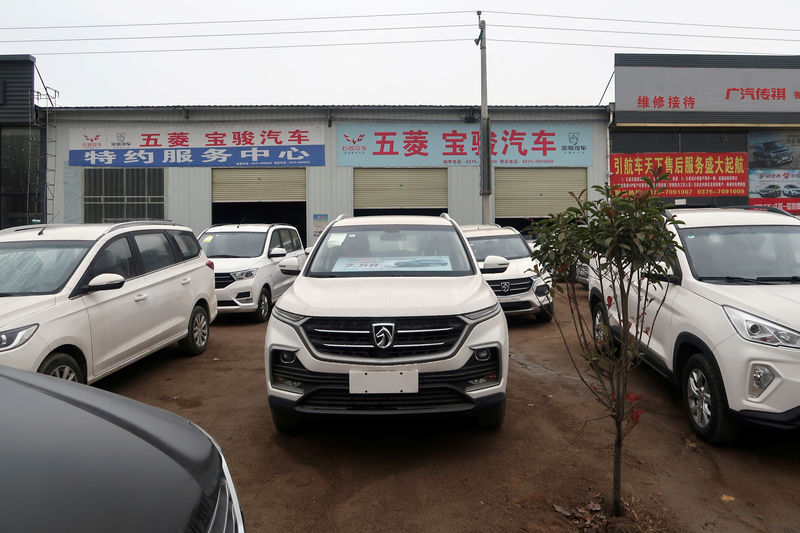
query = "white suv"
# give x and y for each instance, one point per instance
(81, 301)
(390, 316)
(728, 332)
(519, 287)
(246, 258)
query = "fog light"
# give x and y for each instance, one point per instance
(287, 357)
(483, 354)
(760, 379)
(287, 384)
(490, 379)
(244, 297)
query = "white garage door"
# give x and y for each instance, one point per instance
(258, 185)
(399, 188)
(535, 192)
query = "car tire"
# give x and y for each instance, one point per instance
(704, 401)
(261, 314)
(62, 366)
(491, 418)
(285, 422)
(196, 340)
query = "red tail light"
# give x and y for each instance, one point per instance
(210, 264)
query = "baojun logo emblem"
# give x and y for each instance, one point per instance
(505, 286)
(383, 335)
(574, 138)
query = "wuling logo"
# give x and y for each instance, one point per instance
(354, 145)
(91, 142)
(383, 335)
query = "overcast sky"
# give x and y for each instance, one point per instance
(263, 58)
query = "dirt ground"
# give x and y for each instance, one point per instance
(549, 460)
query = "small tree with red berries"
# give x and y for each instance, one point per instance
(629, 245)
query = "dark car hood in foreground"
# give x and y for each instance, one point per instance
(76, 458)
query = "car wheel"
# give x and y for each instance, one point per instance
(62, 366)
(492, 417)
(196, 340)
(705, 403)
(264, 305)
(284, 421)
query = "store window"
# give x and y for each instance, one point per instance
(120, 194)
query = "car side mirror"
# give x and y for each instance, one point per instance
(277, 252)
(290, 266)
(308, 250)
(494, 264)
(105, 282)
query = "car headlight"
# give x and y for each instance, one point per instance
(755, 329)
(250, 273)
(286, 316)
(12, 338)
(483, 314)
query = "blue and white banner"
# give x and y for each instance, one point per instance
(546, 144)
(198, 145)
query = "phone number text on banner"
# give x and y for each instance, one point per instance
(696, 174)
(230, 156)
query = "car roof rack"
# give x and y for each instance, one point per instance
(128, 223)
(770, 208)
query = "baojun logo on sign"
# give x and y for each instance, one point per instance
(121, 141)
(353, 144)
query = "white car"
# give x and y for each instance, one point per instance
(389, 317)
(728, 332)
(246, 256)
(81, 301)
(519, 287)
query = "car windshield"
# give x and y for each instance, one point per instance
(233, 243)
(390, 250)
(743, 254)
(508, 246)
(40, 267)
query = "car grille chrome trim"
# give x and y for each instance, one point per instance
(515, 286)
(415, 338)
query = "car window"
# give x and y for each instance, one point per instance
(298, 243)
(38, 267)
(509, 246)
(233, 243)
(154, 250)
(115, 258)
(286, 240)
(275, 240)
(391, 250)
(187, 244)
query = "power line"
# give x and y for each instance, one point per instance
(591, 45)
(249, 34)
(572, 17)
(649, 33)
(227, 48)
(294, 19)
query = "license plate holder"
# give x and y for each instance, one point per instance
(384, 381)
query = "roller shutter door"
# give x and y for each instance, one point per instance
(535, 192)
(399, 188)
(258, 185)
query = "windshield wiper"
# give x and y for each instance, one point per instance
(732, 279)
(223, 256)
(790, 279)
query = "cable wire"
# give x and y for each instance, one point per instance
(629, 47)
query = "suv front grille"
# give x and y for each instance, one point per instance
(222, 280)
(413, 337)
(515, 286)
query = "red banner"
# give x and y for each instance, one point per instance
(693, 174)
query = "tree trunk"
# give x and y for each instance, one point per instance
(618, 468)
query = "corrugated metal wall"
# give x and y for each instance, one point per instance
(16, 89)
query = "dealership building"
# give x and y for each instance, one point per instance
(727, 128)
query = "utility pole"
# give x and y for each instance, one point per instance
(486, 140)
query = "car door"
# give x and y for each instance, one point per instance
(657, 308)
(121, 321)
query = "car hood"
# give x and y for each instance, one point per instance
(16, 308)
(517, 268)
(234, 264)
(66, 445)
(775, 302)
(379, 296)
